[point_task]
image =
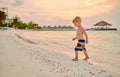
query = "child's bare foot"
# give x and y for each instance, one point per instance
(86, 59)
(74, 59)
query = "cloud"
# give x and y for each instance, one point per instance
(67, 9)
(58, 10)
(7, 1)
(17, 3)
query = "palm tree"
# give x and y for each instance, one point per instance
(70, 27)
(55, 27)
(64, 27)
(32, 25)
(2, 17)
(16, 21)
(49, 27)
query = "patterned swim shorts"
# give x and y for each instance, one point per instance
(80, 46)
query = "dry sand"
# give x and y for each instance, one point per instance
(21, 56)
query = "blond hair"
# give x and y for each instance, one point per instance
(77, 19)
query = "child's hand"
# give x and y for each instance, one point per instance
(73, 39)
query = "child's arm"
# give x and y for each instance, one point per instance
(75, 37)
(86, 36)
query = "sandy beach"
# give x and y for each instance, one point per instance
(39, 54)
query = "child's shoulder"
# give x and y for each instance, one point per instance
(81, 28)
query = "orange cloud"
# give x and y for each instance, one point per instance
(68, 9)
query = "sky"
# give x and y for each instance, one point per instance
(62, 12)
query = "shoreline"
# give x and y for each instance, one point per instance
(91, 29)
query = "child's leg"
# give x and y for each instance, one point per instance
(76, 57)
(86, 55)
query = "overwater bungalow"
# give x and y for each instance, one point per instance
(102, 25)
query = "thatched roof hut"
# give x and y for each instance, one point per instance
(102, 23)
(102, 26)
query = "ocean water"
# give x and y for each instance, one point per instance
(103, 47)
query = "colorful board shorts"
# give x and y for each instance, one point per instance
(80, 46)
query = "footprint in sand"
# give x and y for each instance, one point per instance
(91, 73)
(12, 65)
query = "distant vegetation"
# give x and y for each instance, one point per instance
(17, 23)
(58, 27)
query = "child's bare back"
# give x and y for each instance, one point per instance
(79, 33)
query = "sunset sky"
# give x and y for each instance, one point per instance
(61, 12)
